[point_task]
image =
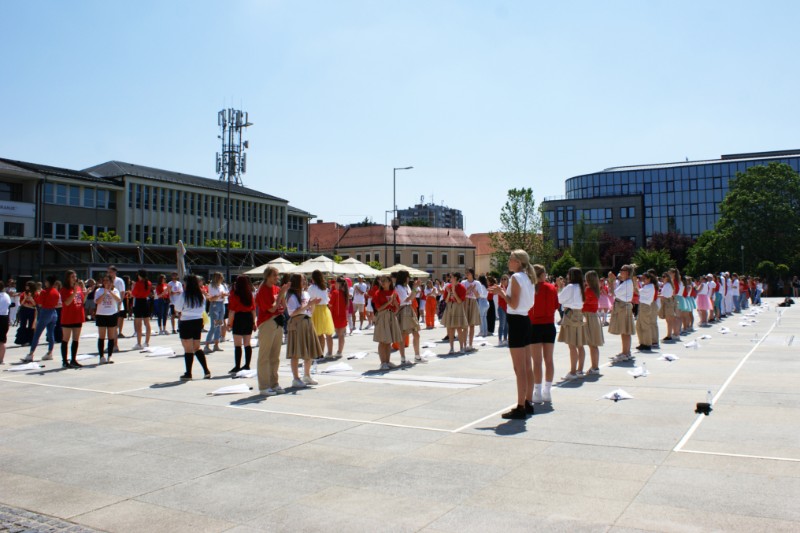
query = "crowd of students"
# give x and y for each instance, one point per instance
(306, 316)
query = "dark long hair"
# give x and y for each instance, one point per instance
(402, 277)
(576, 276)
(243, 289)
(319, 280)
(191, 291)
(68, 279)
(296, 286)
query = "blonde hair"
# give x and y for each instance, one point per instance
(525, 262)
(539, 270)
(269, 271)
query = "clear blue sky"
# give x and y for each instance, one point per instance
(479, 96)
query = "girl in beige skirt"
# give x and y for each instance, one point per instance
(409, 323)
(303, 342)
(455, 319)
(387, 330)
(647, 317)
(621, 324)
(594, 328)
(572, 330)
(471, 306)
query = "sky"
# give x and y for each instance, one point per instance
(478, 96)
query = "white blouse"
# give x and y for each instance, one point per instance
(647, 294)
(570, 297)
(322, 294)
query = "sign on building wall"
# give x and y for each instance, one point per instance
(17, 209)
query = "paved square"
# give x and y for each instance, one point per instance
(128, 447)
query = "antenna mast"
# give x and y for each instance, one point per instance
(232, 161)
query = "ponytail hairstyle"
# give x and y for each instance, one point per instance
(538, 271)
(593, 281)
(674, 275)
(525, 264)
(574, 275)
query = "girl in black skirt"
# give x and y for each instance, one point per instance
(190, 327)
(242, 321)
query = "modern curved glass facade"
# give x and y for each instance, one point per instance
(682, 197)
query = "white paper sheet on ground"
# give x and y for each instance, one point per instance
(247, 373)
(482, 343)
(478, 338)
(429, 345)
(428, 353)
(694, 344)
(744, 324)
(25, 367)
(338, 367)
(724, 330)
(704, 337)
(357, 355)
(242, 388)
(639, 371)
(669, 357)
(158, 351)
(356, 332)
(86, 356)
(254, 341)
(616, 395)
(89, 336)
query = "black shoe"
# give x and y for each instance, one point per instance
(246, 367)
(655, 346)
(528, 407)
(643, 348)
(517, 413)
(75, 364)
(186, 377)
(64, 364)
(234, 370)
(666, 339)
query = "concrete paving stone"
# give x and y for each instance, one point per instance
(307, 517)
(607, 454)
(396, 433)
(662, 517)
(50, 497)
(134, 515)
(341, 455)
(481, 450)
(469, 519)
(734, 464)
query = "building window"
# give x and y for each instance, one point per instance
(61, 194)
(61, 231)
(88, 197)
(74, 231)
(12, 192)
(163, 199)
(138, 196)
(101, 199)
(377, 258)
(444, 259)
(88, 230)
(461, 259)
(47, 230)
(627, 212)
(358, 257)
(368, 258)
(415, 259)
(13, 229)
(397, 259)
(429, 258)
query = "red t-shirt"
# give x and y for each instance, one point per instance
(235, 304)
(265, 299)
(589, 301)
(545, 304)
(160, 288)
(380, 299)
(460, 291)
(72, 313)
(338, 307)
(141, 289)
(48, 298)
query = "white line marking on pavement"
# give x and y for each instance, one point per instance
(56, 386)
(465, 426)
(716, 397)
(742, 455)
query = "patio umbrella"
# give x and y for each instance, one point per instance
(283, 265)
(413, 272)
(326, 265)
(181, 253)
(357, 268)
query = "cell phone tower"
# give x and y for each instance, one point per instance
(232, 161)
(231, 164)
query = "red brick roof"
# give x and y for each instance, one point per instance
(324, 235)
(483, 243)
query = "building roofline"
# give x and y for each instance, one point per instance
(752, 156)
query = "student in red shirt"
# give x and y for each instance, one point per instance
(338, 304)
(593, 337)
(270, 304)
(242, 322)
(72, 318)
(141, 310)
(47, 300)
(543, 332)
(161, 304)
(455, 316)
(387, 329)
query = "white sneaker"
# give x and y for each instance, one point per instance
(546, 396)
(593, 372)
(146, 345)
(267, 392)
(27, 359)
(384, 366)
(537, 397)
(137, 346)
(570, 377)
(420, 359)
(298, 384)
(103, 360)
(308, 380)
(278, 389)
(47, 357)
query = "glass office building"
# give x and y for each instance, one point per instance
(683, 197)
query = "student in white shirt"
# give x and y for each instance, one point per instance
(622, 290)
(190, 309)
(302, 342)
(646, 318)
(409, 324)
(217, 292)
(573, 328)
(471, 307)
(107, 299)
(359, 300)
(321, 317)
(5, 307)
(175, 292)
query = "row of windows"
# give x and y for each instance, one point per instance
(295, 223)
(199, 204)
(169, 236)
(10, 192)
(76, 196)
(590, 216)
(55, 230)
(13, 229)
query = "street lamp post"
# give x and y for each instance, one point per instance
(395, 221)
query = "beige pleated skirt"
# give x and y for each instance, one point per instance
(621, 322)
(644, 325)
(454, 315)
(407, 319)
(303, 342)
(594, 330)
(387, 329)
(472, 312)
(573, 329)
(669, 308)
(654, 322)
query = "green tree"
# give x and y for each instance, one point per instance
(418, 222)
(707, 255)
(586, 245)
(563, 264)
(658, 260)
(762, 213)
(520, 228)
(376, 265)
(676, 244)
(103, 236)
(221, 243)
